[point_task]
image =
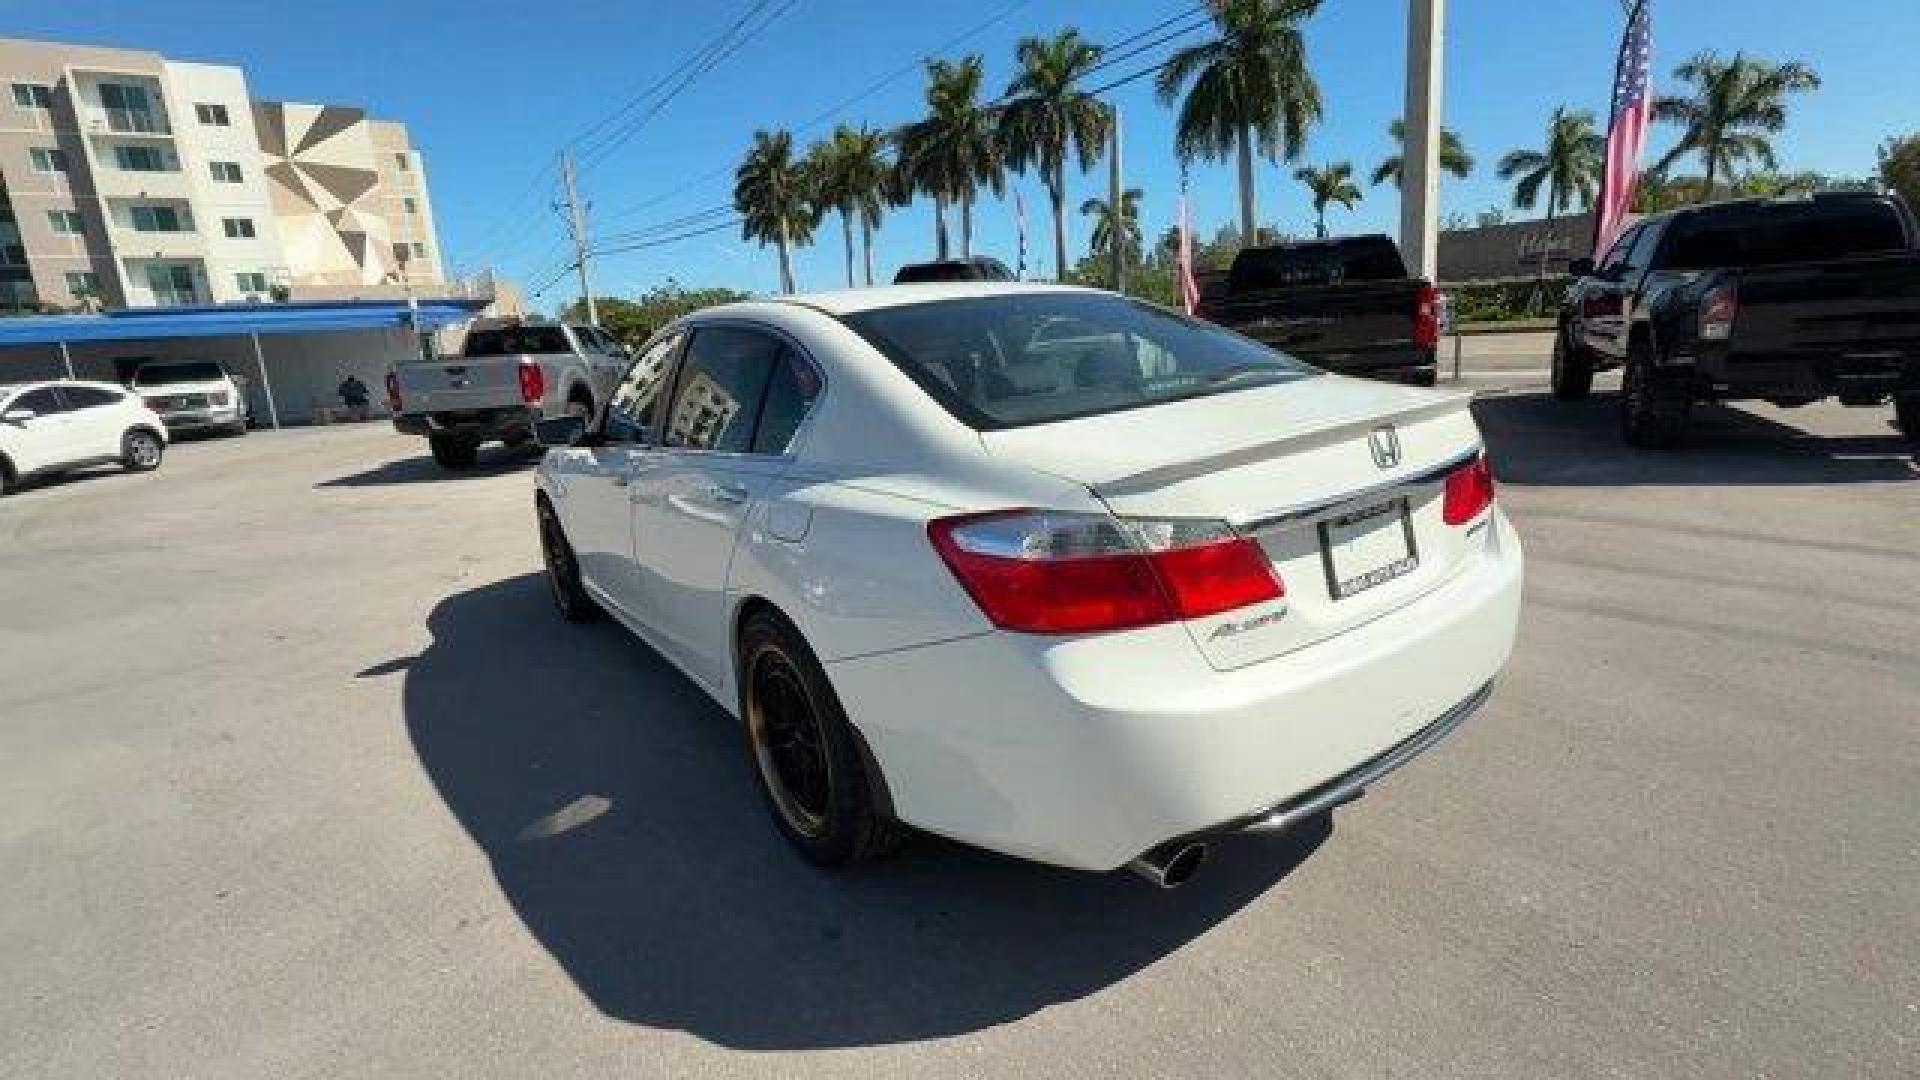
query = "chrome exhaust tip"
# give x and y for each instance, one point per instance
(1170, 865)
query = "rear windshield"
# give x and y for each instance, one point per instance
(1815, 231)
(167, 374)
(513, 340)
(1033, 358)
(954, 270)
(1362, 258)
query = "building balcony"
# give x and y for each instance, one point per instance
(126, 123)
(135, 244)
(136, 184)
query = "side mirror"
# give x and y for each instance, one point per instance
(19, 416)
(559, 431)
(1580, 268)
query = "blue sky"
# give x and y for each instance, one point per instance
(492, 89)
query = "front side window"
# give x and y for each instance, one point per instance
(44, 402)
(48, 159)
(717, 396)
(1034, 358)
(225, 172)
(66, 222)
(32, 96)
(631, 411)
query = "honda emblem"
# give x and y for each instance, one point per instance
(1385, 444)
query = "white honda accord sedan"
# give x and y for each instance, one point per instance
(1044, 570)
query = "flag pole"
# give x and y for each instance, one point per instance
(1632, 8)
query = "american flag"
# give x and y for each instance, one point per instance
(1627, 132)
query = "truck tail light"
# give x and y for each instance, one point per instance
(1469, 492)
(1047, 572)
(533, 382)
(1428, 308)
(1717, 310)
(393, 391)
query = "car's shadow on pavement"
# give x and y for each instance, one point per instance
(614, 803)
(1537, 440)
(494, 461)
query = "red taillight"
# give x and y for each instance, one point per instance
(393, 391)
(1717, 310)
(1469, 492)
(1042, 572)
(533, 382)
(1427, 317)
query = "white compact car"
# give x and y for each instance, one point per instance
(1044, 570)
(50, 427)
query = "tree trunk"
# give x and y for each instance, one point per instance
(1712, 152)
(846, 235)
(939, 226)
(786, 261)
(1057, 195)
(966, 224)
(1246, 188)
(866, 246)
(1320, 222)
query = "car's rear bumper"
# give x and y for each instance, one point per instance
(1870, 374)
(478, 424)
(1086, 752)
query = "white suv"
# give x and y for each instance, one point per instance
(51, 427)
(192, 395)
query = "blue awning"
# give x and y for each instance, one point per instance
(234, 320)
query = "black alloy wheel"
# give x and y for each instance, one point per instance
(563, 569)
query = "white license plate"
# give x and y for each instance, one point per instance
(1367, 547)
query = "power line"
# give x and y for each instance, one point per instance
(579, 141)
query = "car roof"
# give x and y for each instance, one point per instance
(850, 301)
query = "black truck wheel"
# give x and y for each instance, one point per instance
(1906, 416)
(1655, 408)
(454, 453)
(1572, 371)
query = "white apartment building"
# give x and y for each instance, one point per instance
(127, 179)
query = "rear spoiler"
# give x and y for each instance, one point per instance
(1310, 438)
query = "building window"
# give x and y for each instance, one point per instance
(251, 283)
(419, 251)
(48, 159)
(66, 222)
(225, 172)
(13, 255)
(412, 207)
(82, 284)
(237, 228)
(32, 96)
(158, 219)
(128, 108)
(212, 114)
(139, 158)
(401, 161)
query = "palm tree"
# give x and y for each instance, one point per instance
(1569, 167)
(1453, 156)
(774, 195)
(1735, 105)
(1329, 184)
(1251, 89)
(1110, 229)
(1049, 117)
(954, 151)
(850, 171)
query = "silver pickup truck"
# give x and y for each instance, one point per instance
(508, 375)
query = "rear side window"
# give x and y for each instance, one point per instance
(1366, 258)
(514, 340)
(789, 393)
(716, 399)
(87, 397)
(1812, 231)
(43, 402)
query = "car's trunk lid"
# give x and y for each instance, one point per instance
(1339, 481)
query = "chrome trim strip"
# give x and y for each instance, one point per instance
(1292, 514)
(1351, 784)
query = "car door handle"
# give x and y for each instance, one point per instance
(731, 494)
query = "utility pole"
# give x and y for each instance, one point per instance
(1420, 161)
(577, 225)
(1116, 202)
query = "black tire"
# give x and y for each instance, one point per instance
(141, 450)
(1425, 377)
(1572, 371)
(454, 453)
(580, 404)
(804, 753)
(238, 429)
(1655, 408)
(563, 570)
(8, 479)
(1906, 417)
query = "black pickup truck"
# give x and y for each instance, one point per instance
(1784, 300)
(1346, 305)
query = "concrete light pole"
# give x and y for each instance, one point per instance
(1420, 157)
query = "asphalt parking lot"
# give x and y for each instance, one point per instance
(303, 778)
